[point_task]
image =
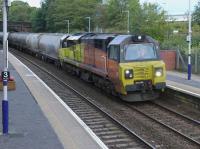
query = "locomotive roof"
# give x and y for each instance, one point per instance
(75, 37)
(119, 39)
(99, 36)
(65, 36)
(104, 36)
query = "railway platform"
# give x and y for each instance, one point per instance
(178, 81)
(38, 119)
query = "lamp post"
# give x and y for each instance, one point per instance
(89, 20)
(67, 25)
(128, 21)
(189, 43)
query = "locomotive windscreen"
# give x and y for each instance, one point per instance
(143, 51)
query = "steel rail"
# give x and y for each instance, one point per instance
(165, 125)
(177, 113)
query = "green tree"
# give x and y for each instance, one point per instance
(38, 18)
(147, 19)
(60, 10)
(116, 21)
(20, 11)
(153, 21)
(196, 14)
(135, 15)
(195, 26)
(111, 17)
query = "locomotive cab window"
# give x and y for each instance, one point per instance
(114, 52)
(71, 43)
(139, 52)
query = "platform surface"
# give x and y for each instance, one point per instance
(28, 127)
(178, 80)
(38, 120)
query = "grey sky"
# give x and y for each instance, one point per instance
(172, 6)
(35, 3)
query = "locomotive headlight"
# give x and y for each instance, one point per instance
(128, 73)
(158, 72)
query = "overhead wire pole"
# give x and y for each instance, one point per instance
(128, 21)
(189, 44)
(5, 74)
(67, 25)
(89, 23)
(167, 14)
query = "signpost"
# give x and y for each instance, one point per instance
(5, 74)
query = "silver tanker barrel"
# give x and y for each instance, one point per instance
(49, 44)
(18, 39)
(46, 44)
(32, 42)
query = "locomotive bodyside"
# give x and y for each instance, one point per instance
(88, 52)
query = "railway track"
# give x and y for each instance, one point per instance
(177, 113)
(112, 132)
(180, 124)
(119, 133)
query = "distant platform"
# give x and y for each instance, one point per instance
(178, 81)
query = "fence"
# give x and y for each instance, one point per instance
(195, 61)
(176, 60)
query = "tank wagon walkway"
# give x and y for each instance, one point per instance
(178, 81)
(38, 120)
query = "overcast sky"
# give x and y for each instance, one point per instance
(35, 3)
(172, 6)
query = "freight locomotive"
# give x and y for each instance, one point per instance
(124, 65)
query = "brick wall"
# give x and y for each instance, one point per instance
(169, 57)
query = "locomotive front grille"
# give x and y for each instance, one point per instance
(142, 73)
